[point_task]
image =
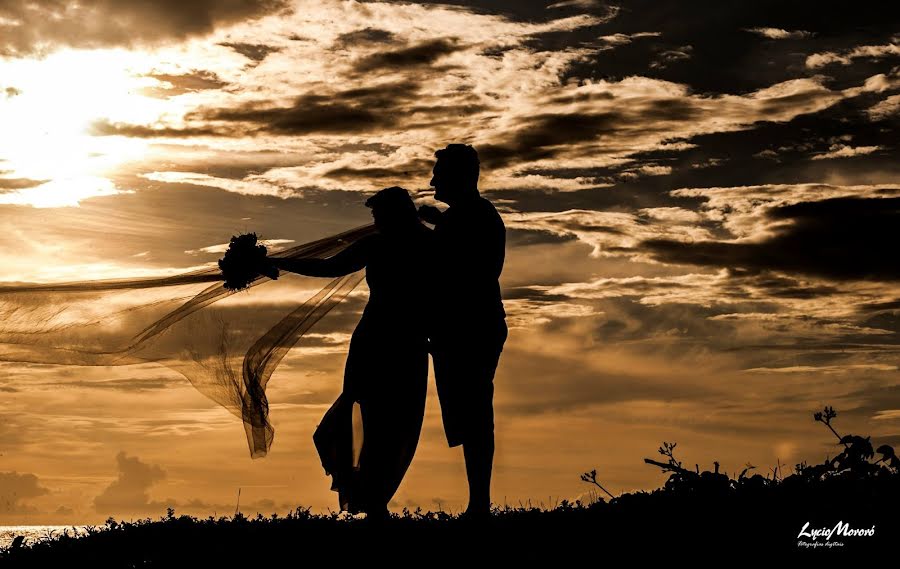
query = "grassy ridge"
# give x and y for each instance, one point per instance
(695, 512)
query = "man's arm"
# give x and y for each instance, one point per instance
(486, 243)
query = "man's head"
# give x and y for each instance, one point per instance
(393, 210)
(455, 173)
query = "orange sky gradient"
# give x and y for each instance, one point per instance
(697, 218)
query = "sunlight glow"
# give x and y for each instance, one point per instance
(46, 119)
(61, 192)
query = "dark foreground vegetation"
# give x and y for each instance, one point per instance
(857, 492)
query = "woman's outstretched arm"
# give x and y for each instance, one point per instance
(350, 260)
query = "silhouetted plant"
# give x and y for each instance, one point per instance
(825, 416)
(591, 477)
(888, 457)
(853, 462)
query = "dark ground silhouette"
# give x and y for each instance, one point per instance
(695, 515)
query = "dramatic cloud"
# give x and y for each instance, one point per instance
(779, 34)
(617, 120)
(609, 233)
(58, 193)
(846, 58)
(885, 109)
(625, 39)
(840, 238)
(18, 183)
(16, 489)
(670, 56)
(172, 85)
(372, 36)
(106, 128)
(843, 151)
(575, 4)
(38, 26)
(423, 54)
(130, 491)
(353, 110)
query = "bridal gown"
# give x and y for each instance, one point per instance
(385, 373)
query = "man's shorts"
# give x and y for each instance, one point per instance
(464, 369)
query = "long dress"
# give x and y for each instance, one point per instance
(386, 373)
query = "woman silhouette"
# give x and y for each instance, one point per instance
(387, 364)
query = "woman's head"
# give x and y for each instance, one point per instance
(393, 210)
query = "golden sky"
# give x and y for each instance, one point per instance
(699, 201)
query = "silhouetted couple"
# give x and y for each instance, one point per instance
(431, 291)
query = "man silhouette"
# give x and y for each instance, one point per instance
(469, 324)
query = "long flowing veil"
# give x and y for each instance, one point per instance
(226, 343)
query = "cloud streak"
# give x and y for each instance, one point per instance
(28, 27)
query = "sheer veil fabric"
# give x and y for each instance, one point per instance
(227, 344)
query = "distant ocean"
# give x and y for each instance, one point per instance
(33, 533)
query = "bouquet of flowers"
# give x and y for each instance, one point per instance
(244, 261)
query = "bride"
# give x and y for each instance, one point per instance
(387, 363)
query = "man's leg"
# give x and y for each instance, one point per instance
(478, 447)
(465, 384)
(478, 451)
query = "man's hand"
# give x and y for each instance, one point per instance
(430, 214)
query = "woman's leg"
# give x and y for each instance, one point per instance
(372, 459)
(392, 423)
(405, 407)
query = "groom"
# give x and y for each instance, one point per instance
(469, 326)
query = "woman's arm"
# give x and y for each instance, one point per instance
(350, 260)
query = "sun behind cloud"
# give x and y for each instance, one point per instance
(46, 141)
